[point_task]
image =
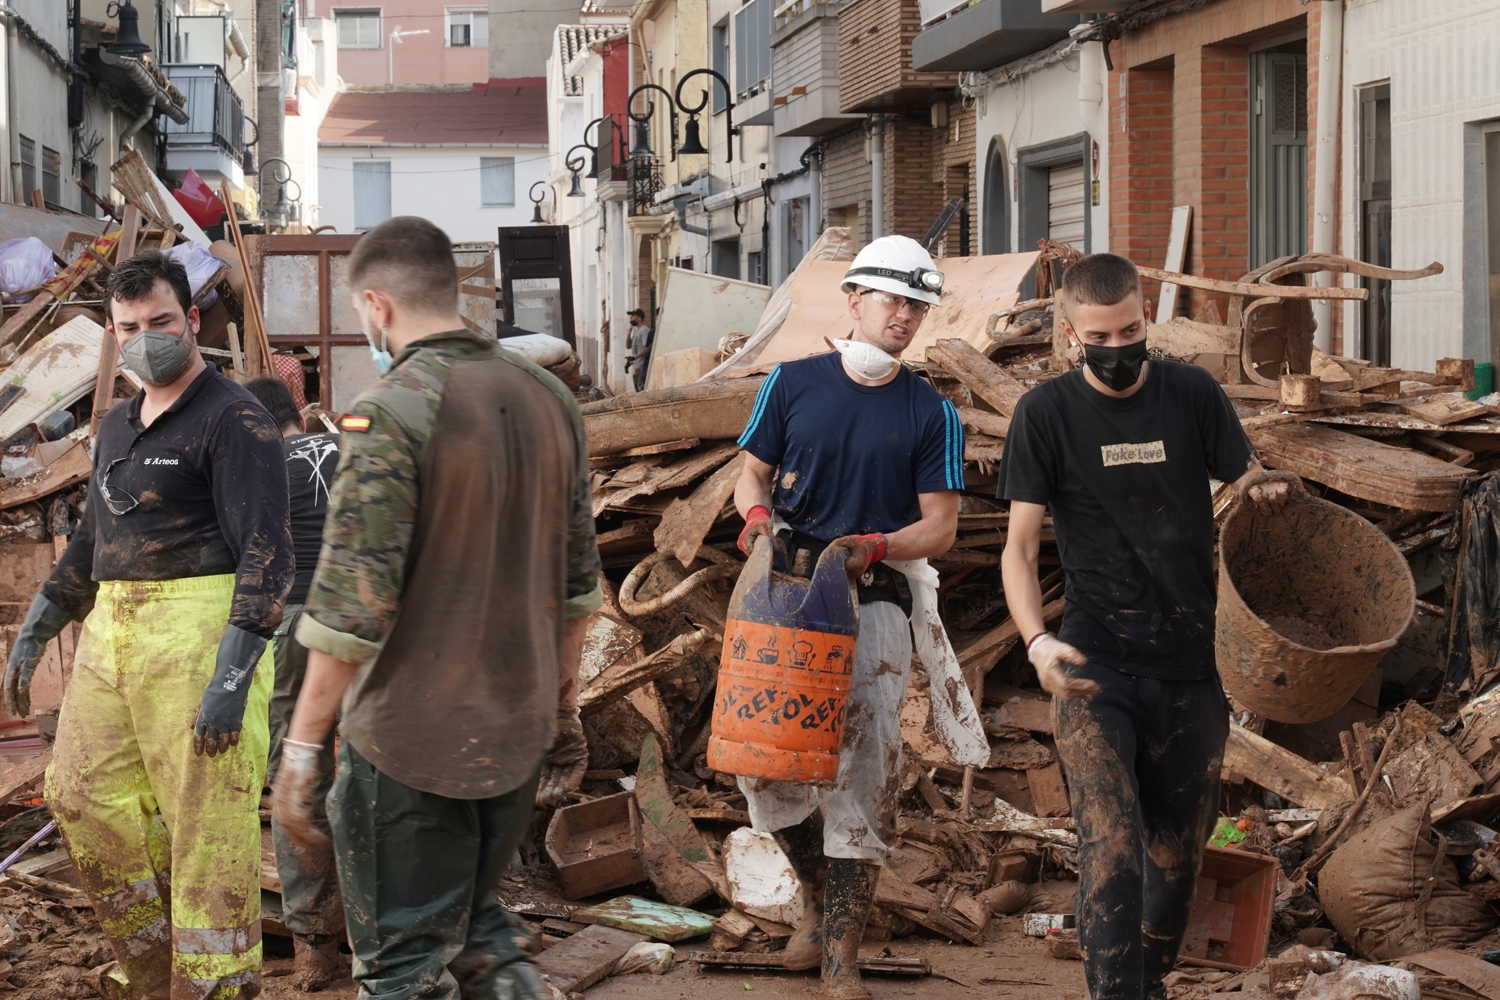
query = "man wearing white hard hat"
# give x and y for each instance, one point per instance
(852, 451)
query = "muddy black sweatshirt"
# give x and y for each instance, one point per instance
(201, 492)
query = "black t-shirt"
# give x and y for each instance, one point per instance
(201, 492)
(1127, 481)
(310, 463)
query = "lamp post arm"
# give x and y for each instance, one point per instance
(644, 119)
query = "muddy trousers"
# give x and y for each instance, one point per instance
(1142, 759)
(310, 903)
(167, 844)
(418, 873)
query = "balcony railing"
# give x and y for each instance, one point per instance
(215, 115)
(645, 182)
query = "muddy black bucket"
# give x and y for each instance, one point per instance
(1310, 598)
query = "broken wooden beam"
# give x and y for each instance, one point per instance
(1276, 769)
(704, 410)
(1251, 289)
(978, 373)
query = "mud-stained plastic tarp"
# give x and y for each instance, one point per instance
(1471, 576)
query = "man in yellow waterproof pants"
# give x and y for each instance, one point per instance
(181, 565)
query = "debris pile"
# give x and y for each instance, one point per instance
(1405, 450)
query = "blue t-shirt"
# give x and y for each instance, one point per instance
(852, 458)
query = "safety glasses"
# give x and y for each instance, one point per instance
(895, 302)
(119, 501)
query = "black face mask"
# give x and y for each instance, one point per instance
(1117, 367)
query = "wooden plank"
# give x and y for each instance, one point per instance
(983, 377)
(984, 422)
(1445, 408)
(72, 467)
(772, 961)
(1048, 791)
(1182, 337)
(1182, 219)
(1032, 714)
(1475, 973)
(1256, 290)
(1251, 756)
(25, 775)
(673, 877)
(585, 958)
(620, 677)
(602, 461)
(685, 523)
(1360, 467)
(704, 410)
(656, 805)
(257, 347)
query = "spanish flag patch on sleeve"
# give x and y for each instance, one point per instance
(354, 422)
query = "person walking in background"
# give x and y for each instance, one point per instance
(638, 361)
(311, 906)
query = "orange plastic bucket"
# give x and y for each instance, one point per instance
(784, 672)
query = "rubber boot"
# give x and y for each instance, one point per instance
(847, 902)
(803, 845)
(317, 962)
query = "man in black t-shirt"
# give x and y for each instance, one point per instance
(1122, 451)
(312, 908)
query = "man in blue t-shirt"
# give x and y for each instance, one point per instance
(854, 452)
(1122, 450)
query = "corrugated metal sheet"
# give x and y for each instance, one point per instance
(1066, 203)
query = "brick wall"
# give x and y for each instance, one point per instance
(1140, 164)
(846, 181)
(953, 167)
(1211, 160)
(912, 200)
(1179, 132)
(875, 71)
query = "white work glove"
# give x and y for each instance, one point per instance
(292, 798)
(1048, 654)
(1268, 489)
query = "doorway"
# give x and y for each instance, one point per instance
(1278, 153)
(1375, 219)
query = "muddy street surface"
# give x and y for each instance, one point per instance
(1008, 964)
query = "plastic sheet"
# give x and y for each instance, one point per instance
(201, 267)
(25, 263)
(647, 956)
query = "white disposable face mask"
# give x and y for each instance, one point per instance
(867, 360)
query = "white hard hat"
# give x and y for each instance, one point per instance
(896, 264)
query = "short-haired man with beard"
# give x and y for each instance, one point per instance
(852, 451)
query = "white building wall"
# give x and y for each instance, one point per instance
(1035, 108)
(38, 98)
(440, 183)
(1439, 59)
(317, 86)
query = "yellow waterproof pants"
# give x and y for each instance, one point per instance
(168, 843)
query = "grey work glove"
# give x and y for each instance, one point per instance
(292, 798)
(562, 770)
(44, 620)
(221, 713)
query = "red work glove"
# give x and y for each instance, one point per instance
(757, 522)
(863, 551)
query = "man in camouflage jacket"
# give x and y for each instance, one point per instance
(447, 614)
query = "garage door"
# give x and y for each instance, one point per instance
(1065, 205)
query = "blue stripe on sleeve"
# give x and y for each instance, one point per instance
(955, 454)
(761, 398)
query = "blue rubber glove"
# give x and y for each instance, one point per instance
(221, 713)
(44, 620)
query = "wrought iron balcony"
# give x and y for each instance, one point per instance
(213, 139)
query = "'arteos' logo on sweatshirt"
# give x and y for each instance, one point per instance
(1134, 454)
(161, 461)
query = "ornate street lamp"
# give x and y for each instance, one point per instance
(537, 199)
(691, 142)
(641, 148)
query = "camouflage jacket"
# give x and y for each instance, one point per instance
(459, 538)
